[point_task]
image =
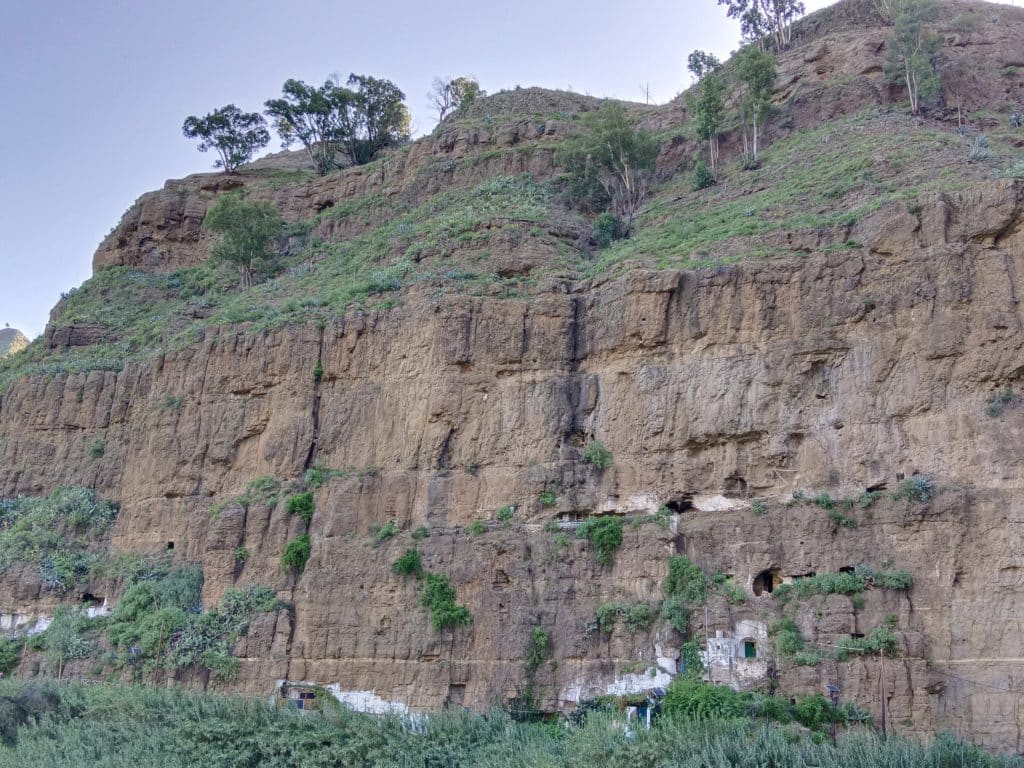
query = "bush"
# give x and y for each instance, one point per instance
(846, 583)
(547, 498)
(382, 533)
(639, 617)
(685, 580)
(842, 520)
(675, 612)
(880, 639)
(786, 637)
(302, 504)
(477, 527)
(97, 448)
(504, 514)
(296, 554)
(438, 597)
(607, 229)
(241, 555)
(1000, 401)
(979, 149)
(703, 176)
(595, 454)
(420, 533)
(607, 615)
(605, 533)
(537, 651)
(690, 698)
(917, 488)
(409, 564)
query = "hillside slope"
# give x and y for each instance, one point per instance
(769, 363)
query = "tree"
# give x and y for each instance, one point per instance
(762, 18)
(358, 120)
(248, 230)
(701, 63)
(756, 72)
(707, 101)
(910, 53)
(236, 135)
(381, 117)
(454, 95)
(613, 165)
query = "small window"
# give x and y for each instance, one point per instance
(170, 546)
(749, 649)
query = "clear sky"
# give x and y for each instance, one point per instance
(96, 90)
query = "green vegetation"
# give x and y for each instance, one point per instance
(96, 448)
(477, 527)
(842, 520)
(236, 135)
(755, 69)
(999, 402)
(690, 699)
(248, 233)
(73, 726)
(879, 640)
(301, 504)
(677, 614)
(357, 121)
(61, 534)
(847, 583)
(381, 533)
(605, 533)
(639, 617)
(595, 454)
(438, 597)
(454, 96)
(915, 489)
(707, 101)
(537, 650)
(420, 533)
(241, 555)
(686, 581)
(296, 554)
(547, 498)
(911, 51)
(612, 165)
(409, 564)
(504, 514)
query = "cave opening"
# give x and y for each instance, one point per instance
(766, 581)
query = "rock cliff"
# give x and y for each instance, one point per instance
(11, 340)
(865, 329)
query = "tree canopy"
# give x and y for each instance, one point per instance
(756, 72)
(248, 232)
(356, 120)
(765, 18)
(236, 135)
(911, 51)
(452, 96)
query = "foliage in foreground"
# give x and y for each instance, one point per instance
(47, 726)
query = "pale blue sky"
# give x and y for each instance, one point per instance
(96, 90)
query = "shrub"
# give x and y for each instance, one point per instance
(979, 149)
(734, 595)
(248, 233)
(842, 520)
(824, 501)
(10, 653)
(898, 580)
(675, 612)
(639, 617)
(607, 615)
(605, 533)
(703, 176)
(438, 597)
(241, 555)
(607, 229)
(879, 640)
(420, 533)
(1000, 401)
(866, 499)
(301, 504)
(595, 454)
(97, 448)
(689, 698)
(296, 554)
(547, 498)
(537, 650)
(477, 527)
(504, 514)
(685, 580)
(409, 564)
(786, 637)
(917, 488)
(382, 533)
(759, 507)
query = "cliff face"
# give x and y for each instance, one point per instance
(852, 359)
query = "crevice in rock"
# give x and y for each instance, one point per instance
(315, 414)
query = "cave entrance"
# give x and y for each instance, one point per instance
(89, 599)
(766, 581)
(680, 503)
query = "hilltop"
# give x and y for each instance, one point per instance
(11, 340)
(459, 451)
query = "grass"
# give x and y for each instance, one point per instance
(104, 726)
